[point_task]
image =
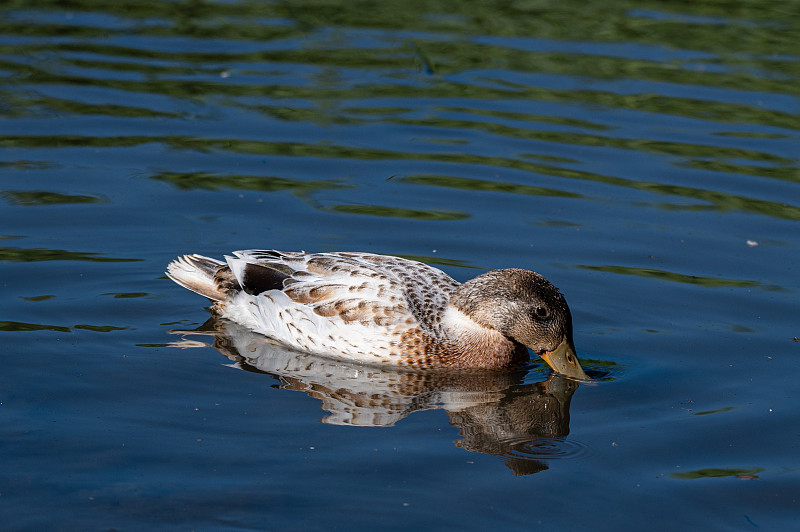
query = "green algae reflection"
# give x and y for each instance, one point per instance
(742, 49)
(209, 181)
(713, 199)
(18, 326)
(399, 212)
(709, 282)
(713, 472)
(43, 197)
(12, 254)
(464, 183)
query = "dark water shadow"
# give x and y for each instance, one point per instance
(495, 412)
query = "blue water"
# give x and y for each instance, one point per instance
(642, 156)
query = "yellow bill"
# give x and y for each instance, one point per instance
(563, 360)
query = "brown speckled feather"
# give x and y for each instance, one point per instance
(369, 308)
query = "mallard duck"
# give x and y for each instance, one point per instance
(379, 309)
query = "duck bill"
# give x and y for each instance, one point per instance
(564, 361)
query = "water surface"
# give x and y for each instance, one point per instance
(642, 156)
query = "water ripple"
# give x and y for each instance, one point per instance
(548, 449)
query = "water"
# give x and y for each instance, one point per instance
(644, 157)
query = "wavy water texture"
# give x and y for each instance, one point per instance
(705, 69)
(641, 154)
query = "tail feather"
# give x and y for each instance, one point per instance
(198, 274)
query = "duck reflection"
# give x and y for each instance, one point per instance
(495, 412)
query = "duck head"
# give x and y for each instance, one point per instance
(526, 308)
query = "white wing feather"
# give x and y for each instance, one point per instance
(347, 304)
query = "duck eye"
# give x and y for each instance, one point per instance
(542, 312)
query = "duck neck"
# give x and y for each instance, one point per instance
(475, 345)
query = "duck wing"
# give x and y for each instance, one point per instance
(361, 288)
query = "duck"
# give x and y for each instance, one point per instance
(387, 311)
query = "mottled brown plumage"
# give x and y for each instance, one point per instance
(380, 309)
